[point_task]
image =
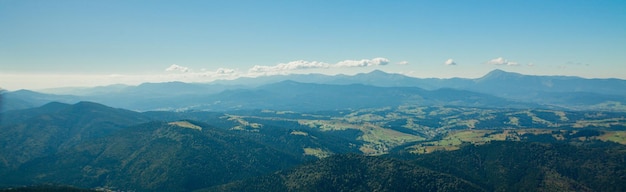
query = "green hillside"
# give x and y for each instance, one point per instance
(526, 166)
(354, 173)
(496, 166)
(42, 131)
(158, 156)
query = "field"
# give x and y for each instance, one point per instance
(456, 139)
(427, 129)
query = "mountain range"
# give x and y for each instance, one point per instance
(313, 92)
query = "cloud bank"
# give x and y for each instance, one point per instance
(225, 71)
(182, 72)
(302, 64)
(363, 62)
(176, 72)
(293, 65)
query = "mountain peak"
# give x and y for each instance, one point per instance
(378, 72)
(55, 105)
(499, 74)
(90, 105)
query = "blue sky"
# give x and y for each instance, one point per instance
(85, 43)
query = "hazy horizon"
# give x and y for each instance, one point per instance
(137, 82)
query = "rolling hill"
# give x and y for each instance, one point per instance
(497, 166)
(42, 131)
(91, 145)
(157, 156)
(353, 173)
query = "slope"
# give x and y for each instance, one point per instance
(37, 132)
(353, 173)
(496, 166)
(524, 166)
(158, 156)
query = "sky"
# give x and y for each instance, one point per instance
(65, 43)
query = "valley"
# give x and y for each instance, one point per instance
(445, 127)
(295, 136)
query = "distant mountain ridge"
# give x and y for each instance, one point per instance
(573, 93)
(384, 79)
(499, 79)
(296, 96)
(22, 99)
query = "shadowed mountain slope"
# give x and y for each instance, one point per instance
(353, 173)
(524, 166)
(37, 132)
(157, 156)
(496, 166)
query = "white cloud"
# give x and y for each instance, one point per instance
(188, 75)
(363, 62)
(178, 68)
(450, 62)
(501, 61)
(205, 75)
(293, 65)
(261, 69)
(403, 63)
(225, 71)
(302, 64)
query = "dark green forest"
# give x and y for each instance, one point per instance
(497, 166)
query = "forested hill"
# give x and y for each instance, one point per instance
(528, 166)
(497, 166)
(353, 172)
